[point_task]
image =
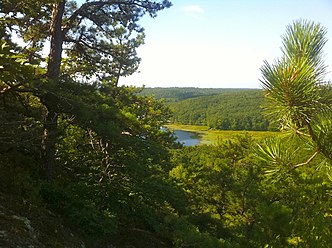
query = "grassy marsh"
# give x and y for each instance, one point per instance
(209, 136)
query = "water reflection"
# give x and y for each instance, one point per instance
(187, 138)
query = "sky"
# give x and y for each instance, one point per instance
(221, 43)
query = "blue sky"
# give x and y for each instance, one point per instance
(220, 43)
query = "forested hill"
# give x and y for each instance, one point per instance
(182, 93)
(227, 109)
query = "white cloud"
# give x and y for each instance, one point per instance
(193, 10)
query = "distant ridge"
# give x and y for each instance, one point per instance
(181, 93)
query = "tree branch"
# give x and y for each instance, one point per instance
(16, 88)
(307, 162)
(153, 6)
(83, 8)
(301, 133)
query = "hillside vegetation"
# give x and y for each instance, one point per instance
(86, 164)
(174, 94)
(224, 109)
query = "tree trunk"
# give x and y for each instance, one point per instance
(49, 143)
(50, 99)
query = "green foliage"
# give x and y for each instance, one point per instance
(232, 199)
(112, 159)
(214, 178)
(187, 235)
(299, 163)
(226, 109)
(80, 213)
(297, 96)
(20, 110)
(119, 175)
(176, 94)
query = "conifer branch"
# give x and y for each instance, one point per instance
(306, 162)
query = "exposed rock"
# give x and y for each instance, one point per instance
(32, 226)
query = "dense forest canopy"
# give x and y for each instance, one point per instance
(84, 163)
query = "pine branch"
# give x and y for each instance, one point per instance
(151, 7)
(307, 162)
(99, 4)
(301, 133)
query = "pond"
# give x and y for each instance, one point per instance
(187, 138)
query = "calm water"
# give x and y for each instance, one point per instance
(187, 138)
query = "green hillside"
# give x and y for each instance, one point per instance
(182, 93)
(226, 109)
